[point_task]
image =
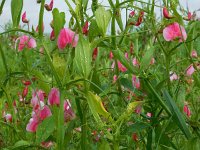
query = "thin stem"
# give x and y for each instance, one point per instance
(41, 18)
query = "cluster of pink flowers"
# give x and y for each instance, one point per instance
(41, 111)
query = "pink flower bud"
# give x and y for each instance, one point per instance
(166, 13)
(49, 7)
(24, 20)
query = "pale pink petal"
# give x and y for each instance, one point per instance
(32, 125)
(8, 117)
(190, 70)
(54, 97)
(187, 110)
(173, 76)
(194, 54)
(44, 113)
(121, 67)
(68, 112)
(136, 82)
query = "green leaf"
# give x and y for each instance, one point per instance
(83, 57)
(103, 18)
(16, 9)
(97, 107)
(119, 19)
(20, 144)
(146, 59)
(58, 21)
(93, 30)
(45, 129)
(177, 115)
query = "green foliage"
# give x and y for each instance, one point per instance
(16, 9)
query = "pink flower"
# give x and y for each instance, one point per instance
(25, 42)
(173, 76)
(194, 53)
(126, 55)
(37, 98)
(111, 55)
(52, 35)
(132, 13)
(85, 28)
(68, 112)
(121, 67)
(166, 13)
(114, 78)
(32, 125)
(54, 97)
(140, 18)
(136, 82)
(43, 112)
(50, 6)
(152, 61)
(47, 144)
(25, 92)
(190, 70)
(24, 20)
(187, 110)
(65, 37)
(8, 117)
(135, 62)
(174, 31)
(189, 15)
(95, 53)
(149, 114)
(138, 109)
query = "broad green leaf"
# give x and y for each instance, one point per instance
(96, 107)
(58, 21)
(103, 18)
(83, 57)
(16, 9)
(104, 145)
(45, 129)
(93, 30)
(119, 19)
(146, 59)
(177, 115)
(20, 144)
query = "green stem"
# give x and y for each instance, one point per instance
(41, 18)
(4, 59)
(1, 7)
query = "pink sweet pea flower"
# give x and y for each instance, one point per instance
(25, 92)
(43, 112)
(149, 114)
(65, 37)
(37, 98)
(25, 42)
(47, 144)
(8, 118)
(114, 78)
(140, 18)
(152, 61)
(136, 82)
(24, 19)
(85, 28)
(95, 53)
(52, 35)
(174, 31)
(132, 13)
(194, 54)
(126, 55)
(166, 13)
(173, 76)
(54, 97)
(135, 62)
(111, 55)
(50, 6)
(190, 70)
(32, 125)
(121, 67)
(68, 112)
(187, 110)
